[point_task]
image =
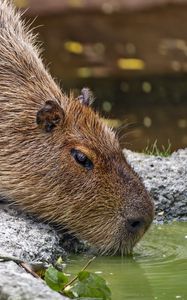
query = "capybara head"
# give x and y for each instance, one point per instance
(57, 158)
(101, 198)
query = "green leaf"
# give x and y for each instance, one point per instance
(91, 285)
(55, 280)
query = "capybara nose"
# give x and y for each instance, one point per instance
(134, 225)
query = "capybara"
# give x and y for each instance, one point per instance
(58, 160)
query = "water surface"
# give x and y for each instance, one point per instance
(157, 270)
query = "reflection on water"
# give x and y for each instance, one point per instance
(157, 270)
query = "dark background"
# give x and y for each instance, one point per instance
(131, 53)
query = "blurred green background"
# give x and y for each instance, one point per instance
(131, 53)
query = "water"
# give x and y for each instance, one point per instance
(157, 270)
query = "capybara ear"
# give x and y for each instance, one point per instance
(50, 115)
(86, 97)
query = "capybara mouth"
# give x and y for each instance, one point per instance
(120, 247)
(128, 236)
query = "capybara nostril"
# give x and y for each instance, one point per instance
(134, 225)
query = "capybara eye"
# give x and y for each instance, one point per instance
(82, 159)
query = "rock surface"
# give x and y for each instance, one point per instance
(16, 284)
(28, 239)
(166, 180)
(24, 238)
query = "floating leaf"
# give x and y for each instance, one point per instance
(55, 280)
(90, 285)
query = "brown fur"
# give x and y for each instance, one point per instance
(37, 170)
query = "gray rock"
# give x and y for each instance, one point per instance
(166, 180)
(27, 239)
(30, 240)
(16, 284)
